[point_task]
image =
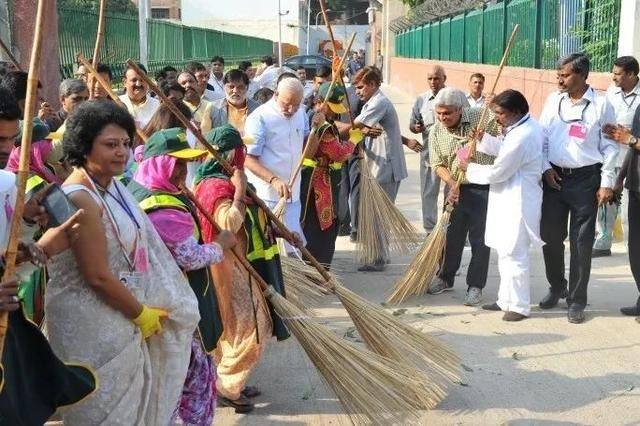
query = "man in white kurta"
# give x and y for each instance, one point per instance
(515, 200)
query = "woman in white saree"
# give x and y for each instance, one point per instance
(117, 300)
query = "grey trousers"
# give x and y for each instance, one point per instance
(429, 190)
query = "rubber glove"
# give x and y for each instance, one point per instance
(355, 136)
(149, 320)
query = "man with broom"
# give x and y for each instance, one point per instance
(468, 201)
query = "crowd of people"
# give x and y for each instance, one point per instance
(144, 285)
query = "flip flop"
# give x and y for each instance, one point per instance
(251, 391)
(242, 405)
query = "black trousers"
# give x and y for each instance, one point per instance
(469, 217)
(575, 205)
(634, 235)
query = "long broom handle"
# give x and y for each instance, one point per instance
(503, 63)
(107, 87)
(323, 9)
(308, 147)
(100, 33)
(23, 168)
(228, 168)
(242, 259)
(10, 56)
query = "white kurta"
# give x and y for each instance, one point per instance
(514, 208)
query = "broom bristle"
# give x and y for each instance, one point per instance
(392, 338)
(370, 388)
(415, 281)
(380, 223)
(304, 288)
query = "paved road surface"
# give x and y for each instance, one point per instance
(539, 371)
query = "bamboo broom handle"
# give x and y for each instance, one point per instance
(30, 110)
(228, 168)
(10, 56)
(101, 81)
(242, 259)
(308, 147)
(503, 63)
(323, 9)
(100, 33)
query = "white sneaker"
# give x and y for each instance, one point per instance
(473, 297)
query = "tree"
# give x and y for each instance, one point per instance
(412, 3)
(115, 6)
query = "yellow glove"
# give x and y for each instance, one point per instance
(149, 320)
(355, 136)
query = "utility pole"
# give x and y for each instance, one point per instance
(308, 24)
(279, 36)
(143, 15)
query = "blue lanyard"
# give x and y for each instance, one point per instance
(120, 200)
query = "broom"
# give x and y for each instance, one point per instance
(368, 386)
(311, 148)
(23, 168)
(423, 268)
(107, 88)
(304, 288)
(377, 327)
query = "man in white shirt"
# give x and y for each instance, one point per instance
(579, 164)
(216, 80)
(301, 72)
(475, 97)
(278, 130)
(623, 95)
(136, 98)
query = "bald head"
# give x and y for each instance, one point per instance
(436, 78)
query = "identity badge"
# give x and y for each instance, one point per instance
(578, 131)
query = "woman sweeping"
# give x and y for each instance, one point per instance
(248, 322)
(117, 300)
(156, 185)
(321, 176)
(515, 198)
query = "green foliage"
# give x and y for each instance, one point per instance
(113, 6)
(599, 34)
(412, 3)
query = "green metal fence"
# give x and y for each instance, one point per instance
(548, 29)
(168, 43)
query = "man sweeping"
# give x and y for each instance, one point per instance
(515, 198)
(446, 138)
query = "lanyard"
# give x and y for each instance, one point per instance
(574, 120)
(112, 220)
(519, 123)
(633, 96)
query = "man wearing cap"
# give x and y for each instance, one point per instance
(278, 129)
(321, 175)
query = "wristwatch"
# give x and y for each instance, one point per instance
(633, 141)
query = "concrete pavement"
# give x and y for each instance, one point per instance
(540, 371)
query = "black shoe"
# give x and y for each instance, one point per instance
(344, 230)
(353, 237)
(492, 307)
(600, 253)
(551, 299)
(513, 316)
(576, 314)
(372, 267)
(632, 311)
(241, 405)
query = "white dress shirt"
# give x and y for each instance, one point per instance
(573, 134)
(143, 112)
(475, 102)
(625, 105)
(278, 143)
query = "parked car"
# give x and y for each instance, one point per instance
(310, 62)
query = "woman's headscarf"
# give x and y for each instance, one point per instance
(228, 142)
(40, 150)
(155, 174)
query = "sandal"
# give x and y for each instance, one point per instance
(251, 391)
(242, 405)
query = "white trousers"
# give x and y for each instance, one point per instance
(514, 293)
(291, 220)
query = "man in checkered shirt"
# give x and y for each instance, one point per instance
(449, 135)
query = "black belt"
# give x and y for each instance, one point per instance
(474, 186)
(578, 170)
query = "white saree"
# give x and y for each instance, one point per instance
(140, 381)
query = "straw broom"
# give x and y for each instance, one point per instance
(311, 148)
(23, 168)
(304, 288)
(377, 327)
(369, 386)
(423, 268)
